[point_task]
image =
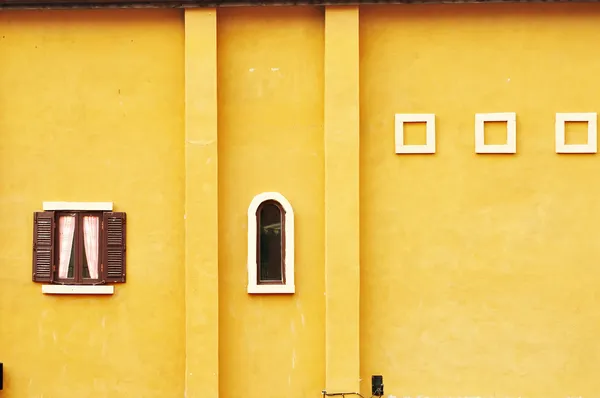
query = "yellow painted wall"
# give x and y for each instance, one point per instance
(91, 109)
(270, 100)
(479, 273)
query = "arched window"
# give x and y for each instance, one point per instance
(270, 244)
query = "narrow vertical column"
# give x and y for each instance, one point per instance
(342, 198)
(201, 205)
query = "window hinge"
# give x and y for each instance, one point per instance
(101, 267)
(53, 268)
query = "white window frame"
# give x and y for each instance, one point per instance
(253, 286)
(78, 289)
(562, 119)
(403, 118)
(511, 132)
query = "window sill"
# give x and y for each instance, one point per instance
(72, 289)
(271, 289)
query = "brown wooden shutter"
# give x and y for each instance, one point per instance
(113, 249)
(43, 246)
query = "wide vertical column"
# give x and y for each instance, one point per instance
(342, 198)
(201, 205)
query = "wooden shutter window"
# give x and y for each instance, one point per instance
(113, 248)
(43, 246)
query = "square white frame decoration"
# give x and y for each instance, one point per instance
(511, 132)
(562, 119)
(428, 119)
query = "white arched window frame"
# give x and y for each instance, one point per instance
(288, 286)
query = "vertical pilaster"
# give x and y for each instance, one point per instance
(201, 204)
(342, 198)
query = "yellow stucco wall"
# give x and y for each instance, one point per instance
(270, 80)
(91, 110)
(479, 272)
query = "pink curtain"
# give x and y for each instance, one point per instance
(66, 229)
(90, 239)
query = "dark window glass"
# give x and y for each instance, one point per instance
(270, 243)
(71, 273)
(86, 271)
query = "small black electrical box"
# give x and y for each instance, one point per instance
(377, 385)
(1, 375)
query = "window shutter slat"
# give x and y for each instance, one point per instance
(113, 250)
(43, 246)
